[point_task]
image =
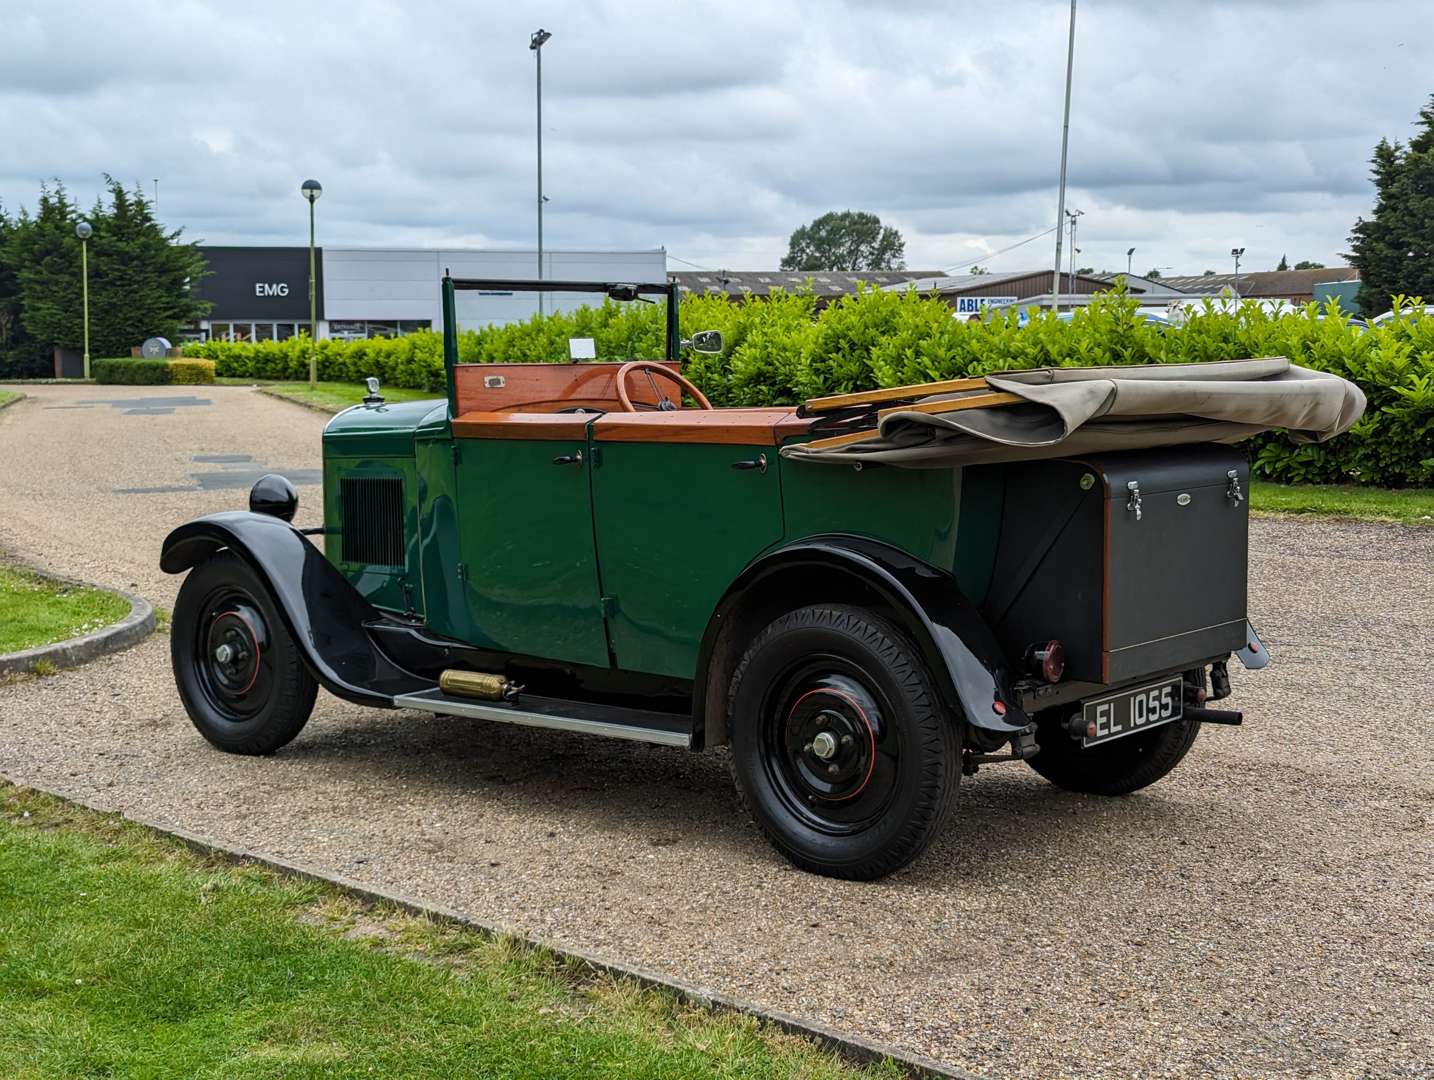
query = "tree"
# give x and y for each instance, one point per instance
(1085, 269)
(1309, 264)
(140, 276)
(1284, 263)
(1207, 273)
(1394, 250)
(979, 271)
(845, 240)
(1153, 275)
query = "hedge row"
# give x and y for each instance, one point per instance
(783, 350)
(153, 372)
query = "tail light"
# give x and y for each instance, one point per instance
(1049, 661)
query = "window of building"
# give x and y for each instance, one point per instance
(219, 330)
(264, 331)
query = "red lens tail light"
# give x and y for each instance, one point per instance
(1051, 661)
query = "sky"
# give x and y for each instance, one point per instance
(714, 129)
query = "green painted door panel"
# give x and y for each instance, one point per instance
(675, 525)
(529, 576)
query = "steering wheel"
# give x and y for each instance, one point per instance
(655, 369)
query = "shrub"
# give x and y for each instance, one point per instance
(191, 372)
(781, 350)
(128, 372)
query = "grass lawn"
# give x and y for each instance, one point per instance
(1409, 505)
(125, 954)
(34, 611)
(7, 396)
(334, 396)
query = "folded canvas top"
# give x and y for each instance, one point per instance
(1058, 412)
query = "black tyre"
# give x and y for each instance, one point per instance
(1116, 768)
(238, 671)
(840, 748)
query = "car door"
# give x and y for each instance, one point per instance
(527, 565)
(681, 505)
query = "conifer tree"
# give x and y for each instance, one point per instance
(1394, 250)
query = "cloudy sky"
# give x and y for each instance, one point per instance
(714, 128)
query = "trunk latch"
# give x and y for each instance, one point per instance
(1133, 503)
(1233, 492)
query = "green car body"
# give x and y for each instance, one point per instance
(858, 636)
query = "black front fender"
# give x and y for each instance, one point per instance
(324, 614)
(960, 651)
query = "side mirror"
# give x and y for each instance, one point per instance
(706, 341)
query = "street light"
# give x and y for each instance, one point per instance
(535, 43)
(1065, 141)
(311, 190)
(1236, 253)
(1129, 252)
(1073, 214)
(84, 231)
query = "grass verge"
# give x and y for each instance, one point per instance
(8, 397)
(124, 953)
(37, 611)
(1414, 506)
(333, 396)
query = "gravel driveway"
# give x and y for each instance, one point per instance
(1267, 911)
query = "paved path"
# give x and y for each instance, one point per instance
(1266, 911)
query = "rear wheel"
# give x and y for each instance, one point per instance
(238, 671)
(1115, 768)
(840, 749)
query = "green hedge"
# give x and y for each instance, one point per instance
(152, 372)
(783, 350)
(129, 372)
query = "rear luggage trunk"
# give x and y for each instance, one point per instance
(1135, 561)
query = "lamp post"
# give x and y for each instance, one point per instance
(1236, 253)
(1073, 214)
(536, 43)
(1065, 142)
(1129, 254)
(311, 190)
(83, 231)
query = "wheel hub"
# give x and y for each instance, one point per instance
(830, 735)
(234, 650)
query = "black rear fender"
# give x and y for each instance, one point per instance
(961, 654)
(324, 614)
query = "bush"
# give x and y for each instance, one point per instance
(128, 372)
(782, 350)
(190, 372)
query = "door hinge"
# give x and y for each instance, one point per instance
(609, 606)
(1232, 491)
(463, 571)
(457, 452)
(1133, 503)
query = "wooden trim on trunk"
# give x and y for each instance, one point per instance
(892, 393)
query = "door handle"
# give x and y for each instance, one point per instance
(759, 463)
(575, 458)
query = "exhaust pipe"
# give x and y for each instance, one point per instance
(1202, 715)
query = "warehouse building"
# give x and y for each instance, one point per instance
(262, 293)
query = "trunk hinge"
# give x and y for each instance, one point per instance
(609, 606)
(1233, 492)
(1133, 503)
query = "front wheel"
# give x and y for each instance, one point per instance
(238, 671)
(840, 748)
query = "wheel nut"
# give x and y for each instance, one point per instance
(846, 740)
(832, 770)
(824, 745)
(223, 654)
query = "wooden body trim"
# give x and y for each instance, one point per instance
(516, 425)
(549, 387)
(742, 427)
(892, 393)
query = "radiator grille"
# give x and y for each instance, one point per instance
(372, 509)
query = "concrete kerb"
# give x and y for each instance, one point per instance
(129, 631)
(850, 1048)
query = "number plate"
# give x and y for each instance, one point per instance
(1130, 711)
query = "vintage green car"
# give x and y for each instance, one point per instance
(573, 546)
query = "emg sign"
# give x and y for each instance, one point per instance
(974, 305)
(271, 288)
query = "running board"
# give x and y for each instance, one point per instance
(637, 725)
